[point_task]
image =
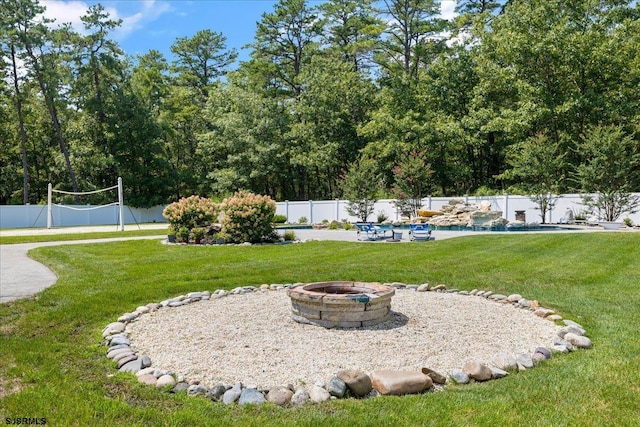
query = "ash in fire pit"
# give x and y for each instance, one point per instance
(341, 304)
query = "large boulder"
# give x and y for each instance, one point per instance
(358, 382)
(399, 383)
(477, 371)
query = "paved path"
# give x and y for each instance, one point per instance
(21, 276)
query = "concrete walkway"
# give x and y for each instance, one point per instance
(22, 277)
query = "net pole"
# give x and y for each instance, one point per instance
(49, 210)
(121, 203)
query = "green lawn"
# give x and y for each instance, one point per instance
(50, 347)
(6, 240)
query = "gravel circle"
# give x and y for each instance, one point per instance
(251, 338)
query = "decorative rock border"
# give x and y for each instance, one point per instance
(346, 383)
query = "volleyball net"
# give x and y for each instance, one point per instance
(119, 202)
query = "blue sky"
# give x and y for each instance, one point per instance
(155, 24)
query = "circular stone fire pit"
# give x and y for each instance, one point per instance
(341, 304)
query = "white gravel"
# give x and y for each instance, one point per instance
(251, 338)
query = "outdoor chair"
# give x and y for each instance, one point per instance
(419, 232)
(370, 231)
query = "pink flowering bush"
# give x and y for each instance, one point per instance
(248, 217)
(192, 212)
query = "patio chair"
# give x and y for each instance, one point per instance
(419, 232)
(373, 232)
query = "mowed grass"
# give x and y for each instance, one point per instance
(44, 237)
(52, 363)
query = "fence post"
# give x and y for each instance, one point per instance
(286, 210)
(310, 211)
(337, 210)
(506, 206)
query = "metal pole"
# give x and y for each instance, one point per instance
(120, 203)
(49, 211)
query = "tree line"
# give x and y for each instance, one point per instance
(343, 98)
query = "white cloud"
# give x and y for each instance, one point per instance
(63, 11)
(150, 11)
(448, 9)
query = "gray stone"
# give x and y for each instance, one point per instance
(525, 360)
(568, 322)
(571, 329)
(233, 394)
(578, 340)
(558, 348)
(115, 354)
(113, 328)
(300, 397)
(142, 309)
(337, 387)
(119, 340)
(544, 351)
(398, 383)
(197, 390)
(358, 382)
(435, 376)
(127, 317)
(251, 396)
(423, 288)
(459, 377)
(537, 358)
(280, 395)
(318, 395)
(128, 358)
(116, 347)
(131, 367)
(216, 392)
(514, 297)
(505, 361)
(562, 342)
(123, 355)
(146, 361)
(180, 387)
(165, 380)
(477, 371)
(497, 372)
(146, 371)
(525, 303)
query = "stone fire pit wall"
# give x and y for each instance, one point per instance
(341, 304)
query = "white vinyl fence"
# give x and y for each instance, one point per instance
(20, 216)
(317, 211)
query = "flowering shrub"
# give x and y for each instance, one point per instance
(192, 212)
(248, 217)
